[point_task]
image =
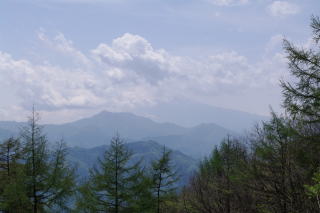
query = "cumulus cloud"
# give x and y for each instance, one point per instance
(135, 56)
(47, 85)
(129, 73)
(283, 8)
(64, 46)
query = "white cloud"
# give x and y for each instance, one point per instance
(135, 56)
(283, 8)
(228, 2)
(129, 73)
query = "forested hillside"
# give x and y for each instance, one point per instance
(276, 167)
(143, 151)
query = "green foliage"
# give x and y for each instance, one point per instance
(49, 179)
(302, 98)
(14, 194)
(164, 179)
(12, 189)
(34, 177)
(314, 190)
(114, 185)
(277, 176)
(220, 183)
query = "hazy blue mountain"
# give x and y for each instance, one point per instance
(190, 113)
(146, 151)
(100, 128)
(197, 141)
(9, 129)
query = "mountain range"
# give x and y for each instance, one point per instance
(88, 138)
(100, 128)
(191, 113)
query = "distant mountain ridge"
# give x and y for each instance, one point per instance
(197, 141)
(143, 151)
(190, 113)
(100, 128)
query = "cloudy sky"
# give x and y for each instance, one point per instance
(73, 58)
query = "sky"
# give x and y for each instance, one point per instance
(74, 58)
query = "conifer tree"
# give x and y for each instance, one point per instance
(277, 177)
(164, 178)
(10, 153)
(113, 183)
(49, 179)
(219, 185)
(12, 190)
(302, 101)
(302, 98)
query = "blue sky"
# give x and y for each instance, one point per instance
(72, 58)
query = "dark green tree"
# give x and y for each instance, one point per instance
(113, 185)
(12, 190)
(49, 179)
(10, 154)
(302, 98)
(219, 185)
(302, 101)
(313, 190)
(278, 177)
(164, 180)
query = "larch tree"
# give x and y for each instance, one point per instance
(219, 184)
(112, 183)
(164, 179)
(49, 178)
(12, 189)
(302, 98)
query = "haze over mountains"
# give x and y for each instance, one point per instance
(88, 138)
(191, 113)
(97, 130)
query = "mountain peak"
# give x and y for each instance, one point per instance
(106, 113)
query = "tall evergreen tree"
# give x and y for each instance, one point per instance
(302, 98)
(49, 178)
(164, 179)
(112, 184)
(278, 176)
(10, 154)
(12, 190)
